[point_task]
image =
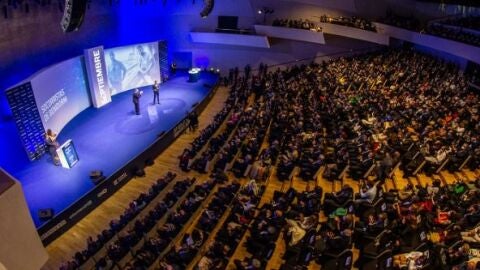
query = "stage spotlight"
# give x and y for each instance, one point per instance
(207, 8)
(265, 11)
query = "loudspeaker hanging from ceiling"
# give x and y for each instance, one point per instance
(73, 15)
(207, 8)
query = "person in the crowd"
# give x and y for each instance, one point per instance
(156, 92)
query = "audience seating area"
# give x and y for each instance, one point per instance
(378, 119)
(299, 24)
(353, 21)
(122, 232)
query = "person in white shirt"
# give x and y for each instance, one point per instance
(368, 192)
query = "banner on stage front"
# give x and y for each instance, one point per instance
(97, 76)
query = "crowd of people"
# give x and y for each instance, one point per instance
(299, 24)
(363, 116)
(159, 243)
(353, 21)
(191, 157)
(228, 237)
(184, 252)
(375, 111)
(118, 227)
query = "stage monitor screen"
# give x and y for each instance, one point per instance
(61, 93)
(132, 66)
(227, 22)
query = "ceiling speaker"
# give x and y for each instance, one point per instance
(207, 8)
(73, 15)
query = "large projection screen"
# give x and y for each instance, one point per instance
(132, 66)
(60, 93)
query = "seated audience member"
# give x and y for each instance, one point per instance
(472, 236)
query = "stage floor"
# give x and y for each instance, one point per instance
(106, 139)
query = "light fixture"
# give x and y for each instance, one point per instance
(73, 14)
(265, 11)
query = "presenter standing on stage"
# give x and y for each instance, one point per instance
(136, 100)
(52, 145)
(173, 68)
(156, 90)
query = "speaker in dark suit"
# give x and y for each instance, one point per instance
(136, 100)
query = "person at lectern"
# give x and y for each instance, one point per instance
(156, 90)
(52, 145)
(136, 100)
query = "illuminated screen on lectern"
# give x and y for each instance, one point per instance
(61, 93)
(132, 66)
(70, 153)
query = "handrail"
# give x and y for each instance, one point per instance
(439, 19)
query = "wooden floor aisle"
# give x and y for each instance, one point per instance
(74, 239)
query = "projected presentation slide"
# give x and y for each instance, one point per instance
(132, 66)
(61, 93)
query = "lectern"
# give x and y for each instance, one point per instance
(193, 74)
(67, 154)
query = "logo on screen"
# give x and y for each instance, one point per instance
(100, 78)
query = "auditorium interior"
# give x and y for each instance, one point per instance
(287, 135)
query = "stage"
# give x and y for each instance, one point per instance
(110, 139)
